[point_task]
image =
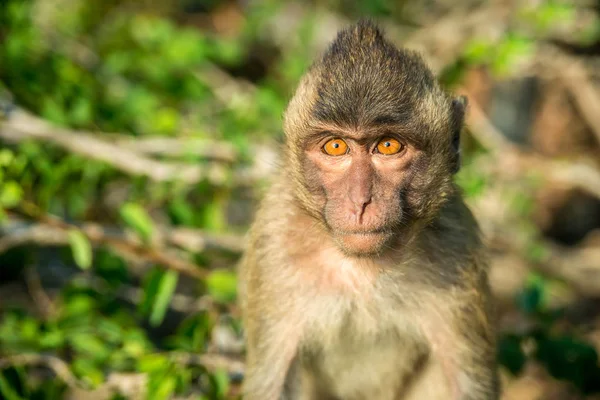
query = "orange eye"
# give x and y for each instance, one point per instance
(335, 147)
(389, 146)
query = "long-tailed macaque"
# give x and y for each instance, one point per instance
(365, 276)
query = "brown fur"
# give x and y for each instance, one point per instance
(403, 313)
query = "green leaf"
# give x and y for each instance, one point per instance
(30, 329)
(536, 251)
(181, 212)
(151, 284)
(53, 111)
(509, 51)
(163, 388)
(472, 182)
(90, 345)
(165, 120)
(221, 380)
(138, 219)
(10, 194)
(222, 285)
(135, 343)
(510, 353)
(532, 296)
(6, 157)
(79, 305)
(52, 339)
(8, 392)
(81, 112)
(81, 249)
(88, 371)
(478, 51)
(553, 13)
(166, 288)
(154, 363)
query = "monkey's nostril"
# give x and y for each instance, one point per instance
(361, 212)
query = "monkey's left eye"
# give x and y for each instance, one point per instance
(389, 146)
(335, 147)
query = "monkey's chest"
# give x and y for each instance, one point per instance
(353, 352)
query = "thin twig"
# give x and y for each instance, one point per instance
(58, 366)
(38, 294)
(229, 91)
(53, 232)
(212, 362)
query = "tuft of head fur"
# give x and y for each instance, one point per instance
(361, 81)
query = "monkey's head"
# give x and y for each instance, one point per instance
(372, 141)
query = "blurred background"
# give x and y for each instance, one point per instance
(137, 135)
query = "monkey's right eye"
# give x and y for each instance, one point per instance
(335, 147)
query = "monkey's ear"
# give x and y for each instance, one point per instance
(463, 101)
(459, 105)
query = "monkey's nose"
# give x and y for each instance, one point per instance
(359, 210)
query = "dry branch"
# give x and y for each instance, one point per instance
(509, 158)
(177, 147)
(42, 301)
(229, 91)
(131, 384)
(580, 267)
(440, 42)
(443, 42)
(162, 250)
(43, 234)
(576, 78)
(212, 362)
(22, 125)
(58, 366)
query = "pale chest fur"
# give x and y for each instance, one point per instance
(348, 324)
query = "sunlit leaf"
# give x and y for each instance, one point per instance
(478, 51)
(88, 371)
(154, 363)
(81, 249)
(81, 112)
(221, 380)
(11, 194)
(222, 285)
(90, 345)
(6, 157)
(166, 288)
(163, 388)
(138, 219)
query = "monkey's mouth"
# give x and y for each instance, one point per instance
(362, 242)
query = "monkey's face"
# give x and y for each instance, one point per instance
(372, 141)
(357, 180)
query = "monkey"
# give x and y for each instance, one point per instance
(365, 274)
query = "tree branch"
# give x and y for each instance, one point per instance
(177, 147)
(22, 125)
(58, 366)
(575, 76)
(508, 157)
(53, 232)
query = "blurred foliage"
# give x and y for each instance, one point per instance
(134, 69)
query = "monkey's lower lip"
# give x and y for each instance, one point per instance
(365, 233)
(363, 242)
